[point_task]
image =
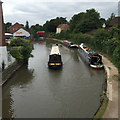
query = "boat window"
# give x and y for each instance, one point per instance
(55, 58)
(96, 60)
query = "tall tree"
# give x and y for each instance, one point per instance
(27, 25)
(34, 29)
(50, 26)
(110, 18)
(85, 21)
(7, 26)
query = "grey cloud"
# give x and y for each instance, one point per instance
(39, 12)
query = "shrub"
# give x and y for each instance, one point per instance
(21, 49)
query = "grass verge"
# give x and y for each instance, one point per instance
(101, 110)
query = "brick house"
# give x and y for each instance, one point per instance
(114, 21)
(62, 27)
(15, 27)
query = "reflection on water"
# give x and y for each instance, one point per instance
(15, 84)
(38, 92)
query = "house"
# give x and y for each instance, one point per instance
(15, 27)
(114, 21)
(21, 33)
(62, 27)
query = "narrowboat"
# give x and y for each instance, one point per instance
(55, 60)
(93, 59)
(69, 44)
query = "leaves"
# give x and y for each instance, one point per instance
(85, 21)
(20, 49)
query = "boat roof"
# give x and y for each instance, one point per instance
(87, 50)
(55, 50)
(67, 41)
(8, 34)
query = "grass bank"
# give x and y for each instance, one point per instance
(101, 110)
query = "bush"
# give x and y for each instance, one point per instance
(21, 49)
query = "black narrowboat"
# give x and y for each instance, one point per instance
(55, 60)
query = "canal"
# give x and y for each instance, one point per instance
(38, 92)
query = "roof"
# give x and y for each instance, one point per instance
(8, 34)
(16, 24)
(55, 50)
(21, 32)
(63, 26)
(114, 21)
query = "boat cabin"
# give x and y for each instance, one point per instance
(92, 58)
(95, 58)
(55, 60)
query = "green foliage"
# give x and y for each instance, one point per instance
(116, 56)
(85, 21)
(27, 25)
(7, 26)
(16, 53)
(20, 49)
(34, 29)
(50, 26)
(102, 109)
(100, 39)
(110, 18)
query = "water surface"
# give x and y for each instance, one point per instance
(38, 92)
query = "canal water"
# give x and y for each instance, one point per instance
(38, 92)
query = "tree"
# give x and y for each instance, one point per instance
(34, 29)
(116, 56)
(50, 26)
(21, 49)
(7, 26)
(27, 25)
(85, 21)
(110, 18)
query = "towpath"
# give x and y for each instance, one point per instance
(112, 89)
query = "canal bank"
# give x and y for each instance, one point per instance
(10, 71)
(109, 106)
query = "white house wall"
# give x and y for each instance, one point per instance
(21, 32)
(58, 30)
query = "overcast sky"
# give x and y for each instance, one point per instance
(39, 11)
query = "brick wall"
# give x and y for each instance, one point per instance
(2, 34)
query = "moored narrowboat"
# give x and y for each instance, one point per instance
(93, 59)
(55, 60)
(69, 44)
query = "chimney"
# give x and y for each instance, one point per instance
(2, 32)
